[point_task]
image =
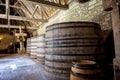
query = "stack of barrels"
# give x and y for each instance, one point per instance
(41, 48)
(28, 46)
(70, 41)
(36, 48)
(33, 47)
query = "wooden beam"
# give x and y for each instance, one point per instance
(116, 27)
(11, 26)
(19, 18)
(48, 3)
(36, 7)
(26, 19)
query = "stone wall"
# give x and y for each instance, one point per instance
(91, 11)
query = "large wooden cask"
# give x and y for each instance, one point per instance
(41, 48)
(5, 40)
(70, 41)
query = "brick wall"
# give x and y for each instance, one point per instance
(91, 11)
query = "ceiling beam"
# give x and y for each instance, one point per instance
(48, 3)
(36, 7)
(13, 6)
(26, 19)
(12, 26)
(19, 18)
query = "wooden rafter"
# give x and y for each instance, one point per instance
(48, 3)
(11, 26)
(25, 7)
(36, 12)
(19, 18)
(116, 26)
(13, 6)
(36, 7)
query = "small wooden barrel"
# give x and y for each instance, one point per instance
(70, 41)
(41, 48)
(84, 70)
(116, 66)
(83, 1)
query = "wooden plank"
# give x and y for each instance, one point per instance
(17, 27)
(20, 34)
(116, 27)
(19, 18)
(48, 3)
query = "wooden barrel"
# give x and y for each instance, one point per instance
(70, 41)
(84, 70)
(28, 47)
(33, 47)
(41, 48)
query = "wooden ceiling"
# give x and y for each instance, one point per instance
(29, 14)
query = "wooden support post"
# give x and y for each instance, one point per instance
(8, 12)
(116, 27)
(14, 41)
(20, 31)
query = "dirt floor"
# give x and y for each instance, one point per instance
(21, 67)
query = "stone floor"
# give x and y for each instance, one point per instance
(21, 67)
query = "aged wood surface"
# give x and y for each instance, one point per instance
(116, 27)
